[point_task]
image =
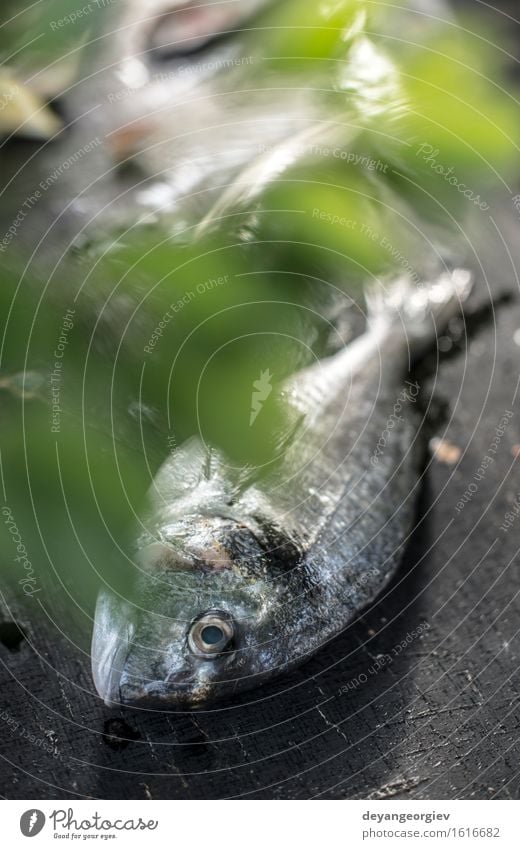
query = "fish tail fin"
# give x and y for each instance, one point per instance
(423, 310)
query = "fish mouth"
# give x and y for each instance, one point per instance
(186, 693)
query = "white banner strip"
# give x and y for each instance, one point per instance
(255, 824)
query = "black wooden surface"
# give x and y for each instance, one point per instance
(439, 718)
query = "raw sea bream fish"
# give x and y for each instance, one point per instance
(243, 578)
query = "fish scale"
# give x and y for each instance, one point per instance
(282, 564)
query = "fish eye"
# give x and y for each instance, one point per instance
(211, 634)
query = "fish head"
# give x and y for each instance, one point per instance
(194, 634)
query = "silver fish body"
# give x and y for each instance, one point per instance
(242, 577)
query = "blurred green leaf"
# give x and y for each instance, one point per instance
(161, 341)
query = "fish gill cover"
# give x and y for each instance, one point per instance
(158, 327)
